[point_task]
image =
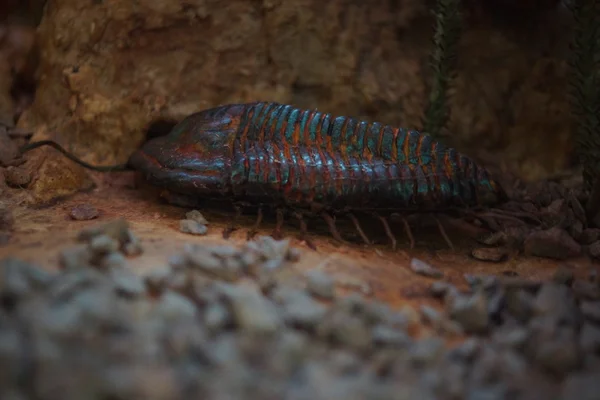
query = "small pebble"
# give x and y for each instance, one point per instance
(197, 216)
(383, 335)
(556, 207)
(556, 350)
(515, 337)
(157, 279)
(471, 311)
(320, 284)
(348, 330)
(466, 350)
(424, 269)
(113, 260)
(192, 227)
(552, 243)
(216, 317)
(299, 309)
(426, 351)
(519, 304)
(173, 307)
(127, 283)
(132, 247)
(84, 212)
(589, 236)
(594, 249)
(103, 244)
(439, 321)
(491, 254)
(493, 239)
(221, 262)
(441, 289)
(251, 311)
(21, 279)
(556, 301)
(17, 177)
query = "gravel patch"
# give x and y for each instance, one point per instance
(207, 326)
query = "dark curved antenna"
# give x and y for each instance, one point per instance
(107, 168)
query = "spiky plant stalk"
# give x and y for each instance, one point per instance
(445, 42)
(585, 86)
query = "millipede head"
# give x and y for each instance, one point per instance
(195, 157)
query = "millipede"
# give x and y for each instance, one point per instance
(305, 162)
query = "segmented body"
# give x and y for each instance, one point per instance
(272, 153)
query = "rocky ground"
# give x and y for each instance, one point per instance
(218, 322)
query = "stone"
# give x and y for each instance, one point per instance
(491, 254)
(127, 283)
(552, 243)
(383, 335)
(84, 212)
(103, 244)
(424, 269)
(557, 302)
(594, 249)
(17, 177)
(589, 235)
(196, 216)
(299, 309)
(320, 284)
(250, 310)
(192, 227)
(470, 311)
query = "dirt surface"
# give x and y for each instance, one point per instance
(377, 271)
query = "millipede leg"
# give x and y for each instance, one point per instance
(443, 232)
(408, 232)
(277, 235)
(304, 231)
(254, 230)
(388, 231)
(359, 229)
(231, 227)
(331, 223)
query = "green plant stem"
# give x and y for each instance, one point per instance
(585, 86)
(445, 42)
